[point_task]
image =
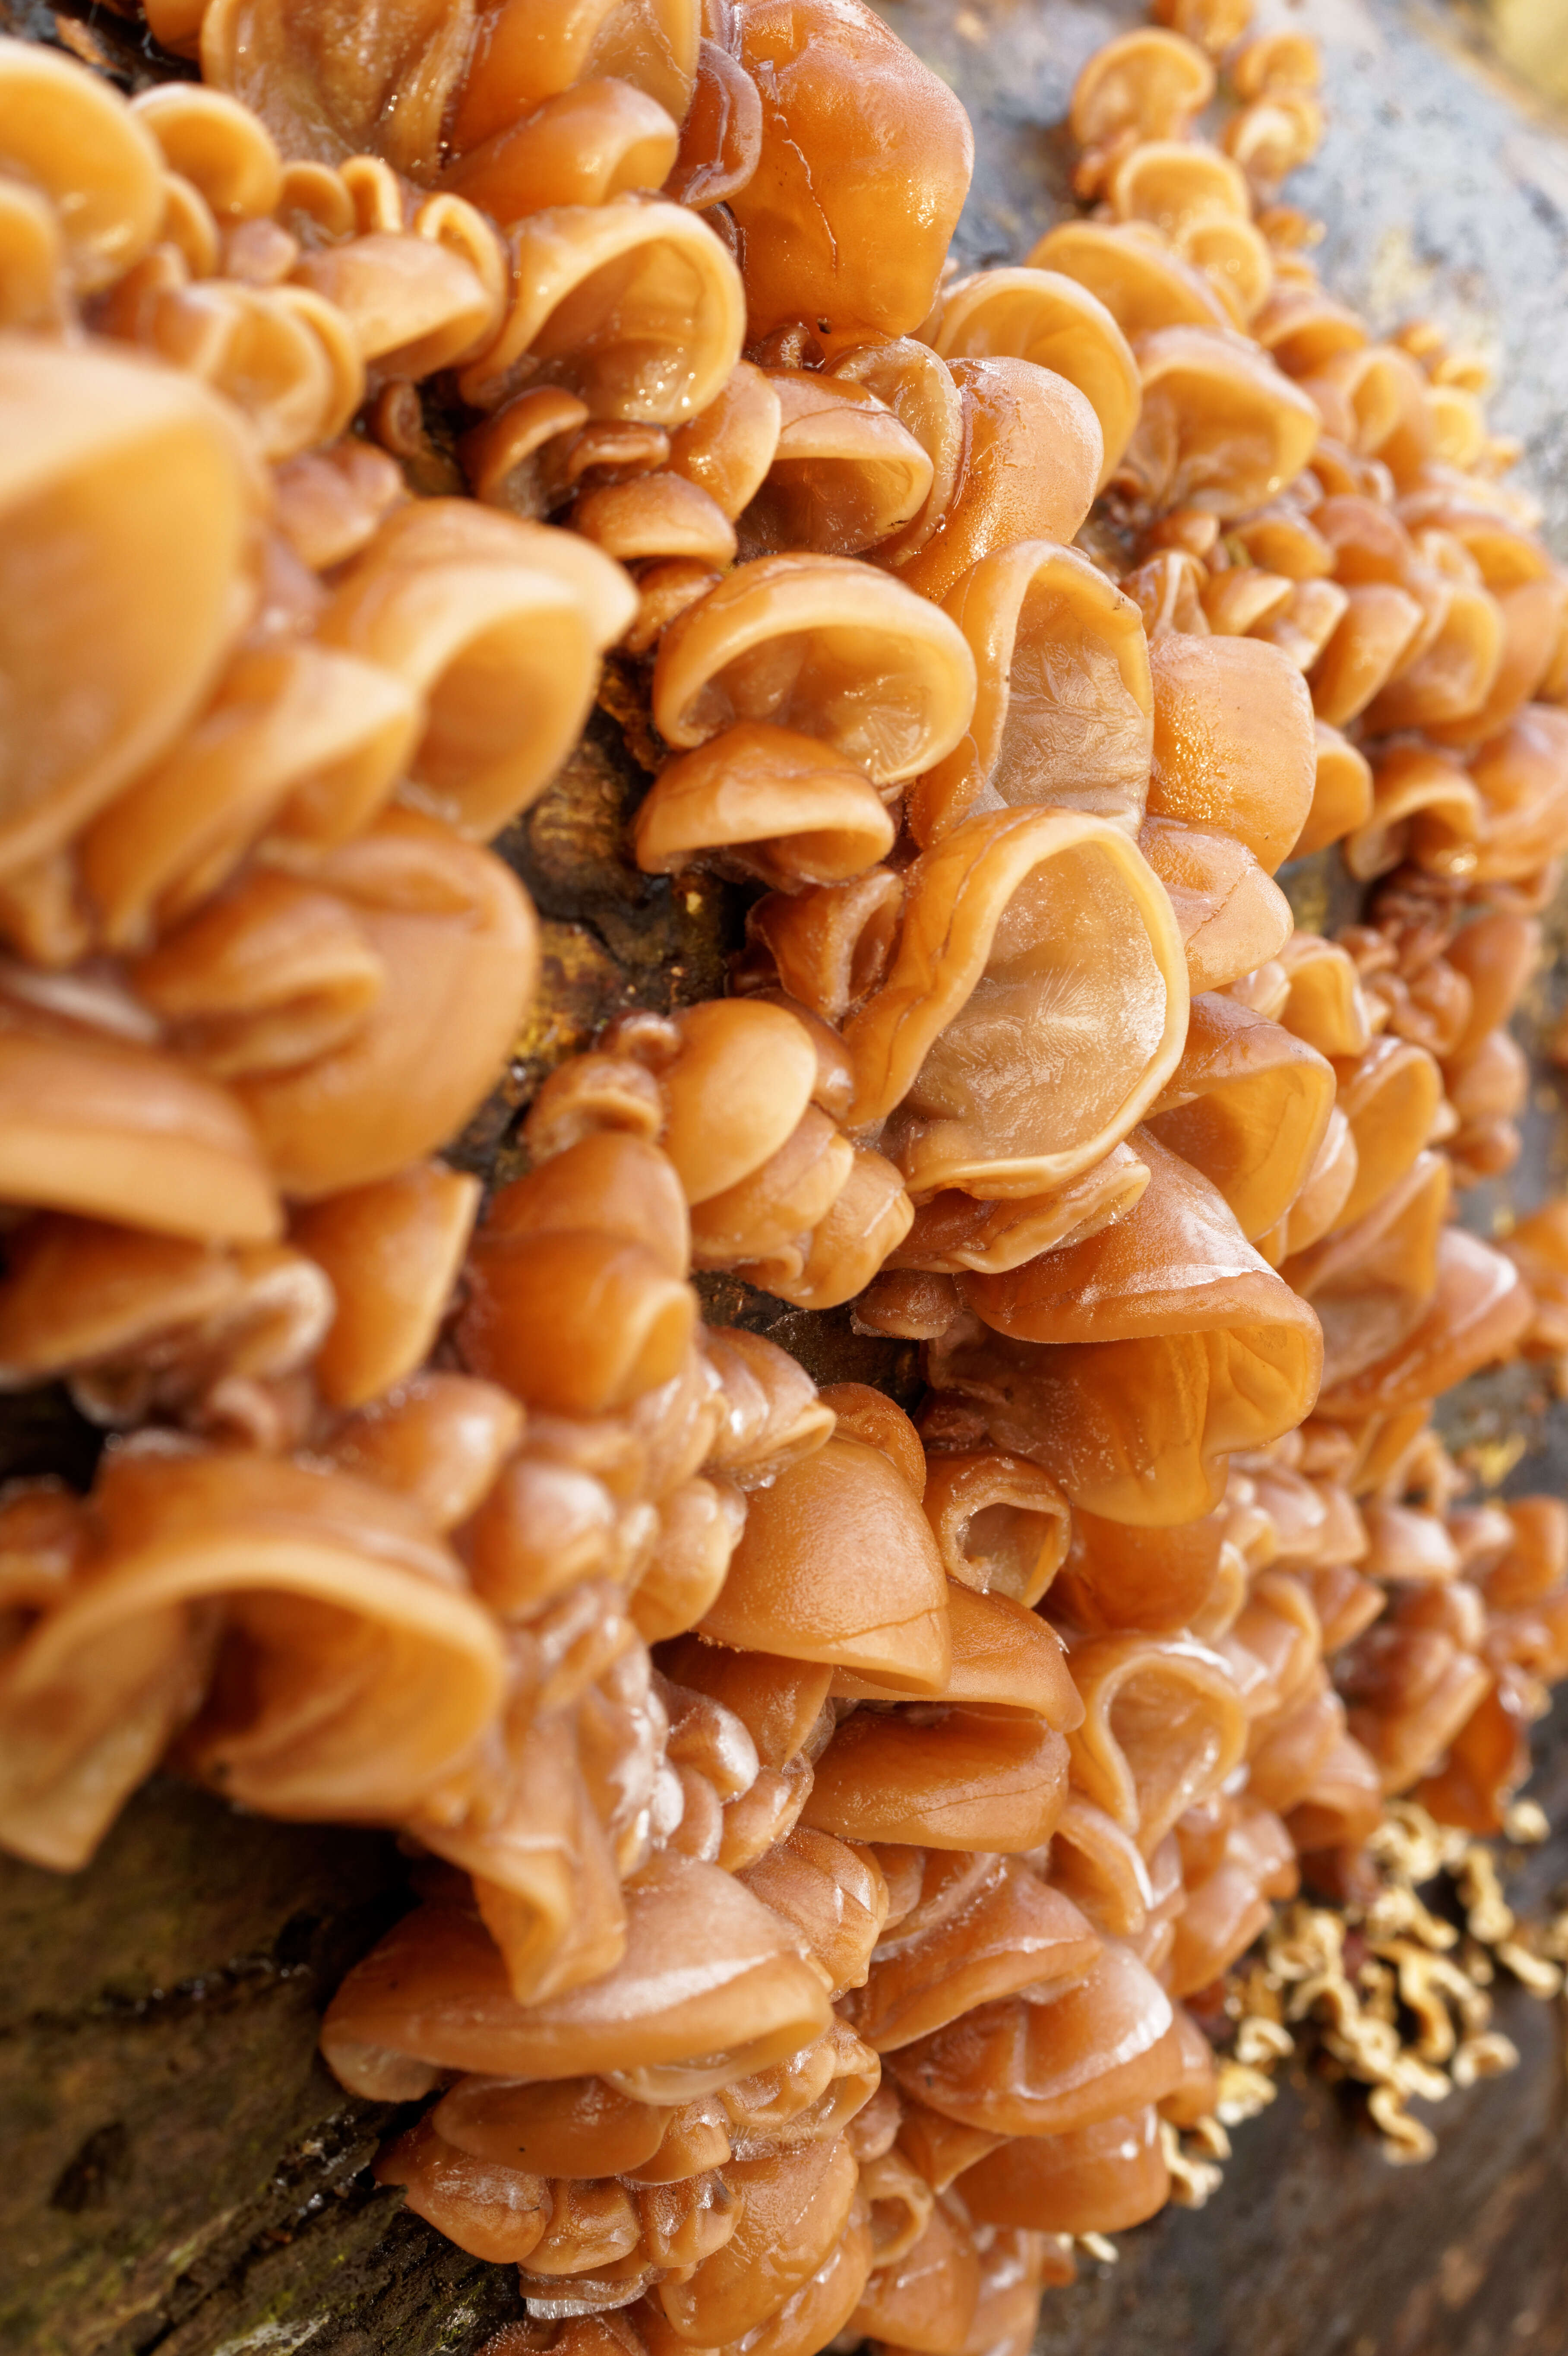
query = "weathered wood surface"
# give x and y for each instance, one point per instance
(180, 2173)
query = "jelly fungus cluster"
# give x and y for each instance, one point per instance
(822, 1817)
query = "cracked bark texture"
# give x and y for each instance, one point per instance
(182, 2174)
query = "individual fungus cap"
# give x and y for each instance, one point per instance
(450, 929)
(958, 1778)
(584, 145)
(221, 148)
(827, 647)
(499, 626)
(712, 1986)
(1053, 320)
(1031, 457)
(117, 1129)
(997, 916)
(635, 306)
(392, 1252)
(785, 1592)
(1149, 82)
(1221, 429)
(298, 742)
(857, 234)
(781, 806)
(1235, 748)
(66, 132)
(1001, 1523)
(1249, 1104)
(341, 1612)
(996, 1928)
(1133, 274)
(1152, 1383)
(1064, 711)
(845, 473)
(114, 474)
(1164, 1727)
(1018, 2068)
(1232, 917)
(1099, 2179)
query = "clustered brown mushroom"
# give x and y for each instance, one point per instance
(822, 1817)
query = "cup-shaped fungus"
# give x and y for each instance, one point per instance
(794, 2206)
(118, 1131)
(1220, 430)
(1152, 1382)
(1235, 748)
(1164, 1726)
(1018, 2068)
(525, 52)
(1099, 2179)
(393, 1252)
(130, 501)
(953, 1231)
(782, 1200)
(498, 626)
(728, 450)
(1344, 1802)
(600, 139)
(1231, 917)
(1063, 712)
(713, 1988)
(414, 304)
(147, 1324)
(1532, 614)
(1372, 637)
(1391, 1094)
(1133, 274)
(1341, 793)
(1521, 776)
(984, 1927)
(1045, 316)
(635, 307)
(439, 1439)
(592, 1244)
(1147, 84)
(721, 137)
(218, 146)
(1228, 1905)
(299, 741)
(827, 647)
(785, 807)
(1249, 1105)
(865, 165)
(336, 1067)
(920, 391)
(1424, 808)
(341, 1614)
(1032, 454)
(1372, 1281)
(1478, 1313)
(1452, 674)
(949, 1778)
(66, 133)
(1117, 1577)
(845, 474)
(786, 1591)
(1019, 1052)
(1171, 183)
(742, 1076)
(1001, 1523)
